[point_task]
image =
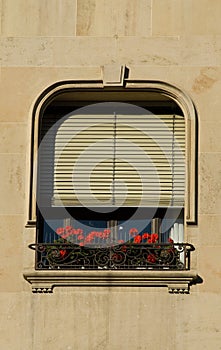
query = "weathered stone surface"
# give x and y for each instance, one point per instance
(11, 233)
(209, 230)
(21, 86)
(124, 18)
(44, 42)
(189, 17)
(32, 18)
(210, 186)
(12, 179)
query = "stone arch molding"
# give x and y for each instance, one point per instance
(174, 93)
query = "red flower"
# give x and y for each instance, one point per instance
(60, 230)
(63, 253)
(68, 231)
(81, 244)
(153, 238)
(79, 231)
(170, 240)
(137, 239)
(100, 234)
(116, 257)
(80, 237)
(124, 248)
(90, 236)
(106, 233)
(120, 241)
(151, 258)
(133, 231)
(74, 232)
(146, 236)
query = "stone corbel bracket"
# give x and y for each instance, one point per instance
(177, 282)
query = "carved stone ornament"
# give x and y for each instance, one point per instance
(113, 75)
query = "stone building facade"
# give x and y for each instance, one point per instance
(170, 47)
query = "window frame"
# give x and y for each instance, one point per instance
(176, 281)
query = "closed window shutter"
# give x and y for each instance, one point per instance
(120, 160)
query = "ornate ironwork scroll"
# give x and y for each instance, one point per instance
(126, 256)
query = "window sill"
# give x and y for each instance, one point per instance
(175, 281)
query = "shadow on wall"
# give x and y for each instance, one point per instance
(197, 280)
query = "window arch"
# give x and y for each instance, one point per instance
(141, 88)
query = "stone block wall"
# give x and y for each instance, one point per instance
(47, 41)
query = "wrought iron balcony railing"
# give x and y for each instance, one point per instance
(126, 256)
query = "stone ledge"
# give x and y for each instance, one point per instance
(175, 281)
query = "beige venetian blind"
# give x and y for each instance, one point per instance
(120, 160)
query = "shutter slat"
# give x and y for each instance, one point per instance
(144, 151)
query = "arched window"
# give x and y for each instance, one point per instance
(111, 182)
